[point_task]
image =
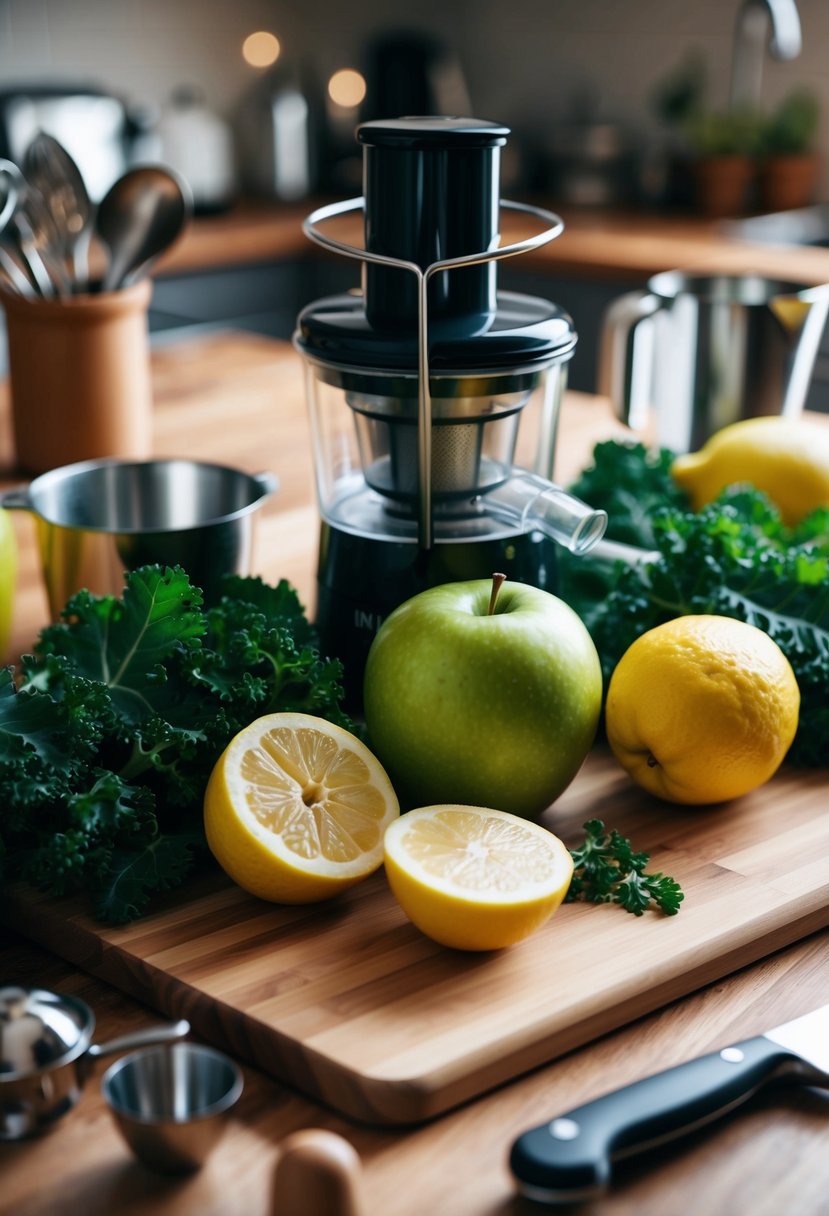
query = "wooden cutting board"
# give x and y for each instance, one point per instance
(351, 1004)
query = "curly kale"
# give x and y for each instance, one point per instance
(734, 557)
(110, 732)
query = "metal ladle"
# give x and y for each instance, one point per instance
(138, 219)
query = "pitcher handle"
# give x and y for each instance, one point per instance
(17, 499)
(615, 371)
(803, 363)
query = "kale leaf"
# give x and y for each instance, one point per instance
(110, 730)
(631, 482)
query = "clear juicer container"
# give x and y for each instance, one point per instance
(492, 449)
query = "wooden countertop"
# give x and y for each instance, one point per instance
(595, 244)
(239, 398)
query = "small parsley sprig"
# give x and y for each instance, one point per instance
(608, 870)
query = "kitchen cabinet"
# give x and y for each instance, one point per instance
(256, 298)
(266, 299)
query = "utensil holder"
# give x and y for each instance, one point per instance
(79, 372)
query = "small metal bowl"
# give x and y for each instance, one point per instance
(171, 1104)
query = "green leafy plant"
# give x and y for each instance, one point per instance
(734, 558)
(607, 869)
(725, 133)
(791, 128)
(679, 95)
(109, 735)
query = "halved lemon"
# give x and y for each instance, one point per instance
(475, 878)
(295, 809)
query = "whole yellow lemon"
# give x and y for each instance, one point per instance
(702, 709)
(786, 458)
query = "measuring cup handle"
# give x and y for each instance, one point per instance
(615, 372)
(165, 1033)
(16, 499)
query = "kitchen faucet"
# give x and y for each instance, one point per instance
(759, 22)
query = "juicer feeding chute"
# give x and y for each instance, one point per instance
(421, 389)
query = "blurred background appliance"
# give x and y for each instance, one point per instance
(280, 136)
(195, 142)
(94, 126)
(409, 72)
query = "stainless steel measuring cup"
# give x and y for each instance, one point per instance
(99, 518)
(47, 1053)
(171, 1103)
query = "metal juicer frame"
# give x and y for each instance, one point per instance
(424, 404)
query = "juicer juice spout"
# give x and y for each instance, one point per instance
(534, 504)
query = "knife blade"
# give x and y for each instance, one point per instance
(570, 1158)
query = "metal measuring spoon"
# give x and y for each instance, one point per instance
(139, 217)
(51, 171)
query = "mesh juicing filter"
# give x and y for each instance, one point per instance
(473, 443)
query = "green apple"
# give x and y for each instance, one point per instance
(482, 694)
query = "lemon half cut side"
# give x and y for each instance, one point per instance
(475, 878)
(296, 808)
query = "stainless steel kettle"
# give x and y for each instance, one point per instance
(694, 353)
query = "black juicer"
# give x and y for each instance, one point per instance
(418, 386)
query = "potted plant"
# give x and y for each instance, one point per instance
(724, 146)
(790, 163)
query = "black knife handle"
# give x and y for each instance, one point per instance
(570, 1157)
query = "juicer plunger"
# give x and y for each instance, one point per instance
(419, 386)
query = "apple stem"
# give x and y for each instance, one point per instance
(497, 581)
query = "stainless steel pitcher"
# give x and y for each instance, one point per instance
(694, 353)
